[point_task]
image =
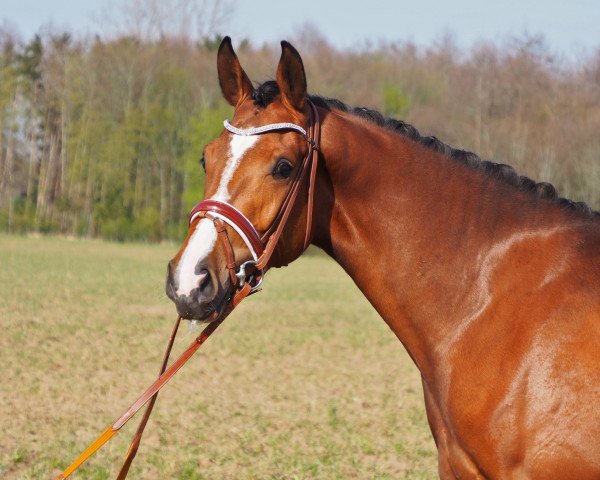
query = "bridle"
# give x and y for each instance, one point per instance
(261, 247)
(245, 278)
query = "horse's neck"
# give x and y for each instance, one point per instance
(413, 228)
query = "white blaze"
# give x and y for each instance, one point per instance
(200, 245)
(203, 239)
(239, 145)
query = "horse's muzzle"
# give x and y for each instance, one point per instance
(198, 303)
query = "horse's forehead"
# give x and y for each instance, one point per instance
(249, 115)
(231, 151)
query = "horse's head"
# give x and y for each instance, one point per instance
(249, 172)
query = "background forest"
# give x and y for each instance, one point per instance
(102, 136)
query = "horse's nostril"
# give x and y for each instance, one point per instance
(204, 284)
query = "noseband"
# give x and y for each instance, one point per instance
(261, 247)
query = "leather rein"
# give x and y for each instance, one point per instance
(245, 278)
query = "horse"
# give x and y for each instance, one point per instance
(489, 279)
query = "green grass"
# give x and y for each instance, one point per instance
(302, 381)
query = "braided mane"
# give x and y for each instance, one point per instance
(266, 92)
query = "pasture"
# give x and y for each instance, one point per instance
(304, 380)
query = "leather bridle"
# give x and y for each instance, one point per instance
(244, 278)
(261, 247)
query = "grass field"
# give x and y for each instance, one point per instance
(303, 381)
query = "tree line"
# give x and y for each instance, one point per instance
(102, 136)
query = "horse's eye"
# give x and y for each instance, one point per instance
(283, 169)
(203, 163)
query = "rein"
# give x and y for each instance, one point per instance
(243, 283)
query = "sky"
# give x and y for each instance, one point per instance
(570, 27)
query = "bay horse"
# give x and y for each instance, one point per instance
(490, 281)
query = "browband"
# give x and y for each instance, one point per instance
(265, 128)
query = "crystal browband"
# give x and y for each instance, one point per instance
(264, 128)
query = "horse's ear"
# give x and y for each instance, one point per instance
(291, 78)
(234, 82)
